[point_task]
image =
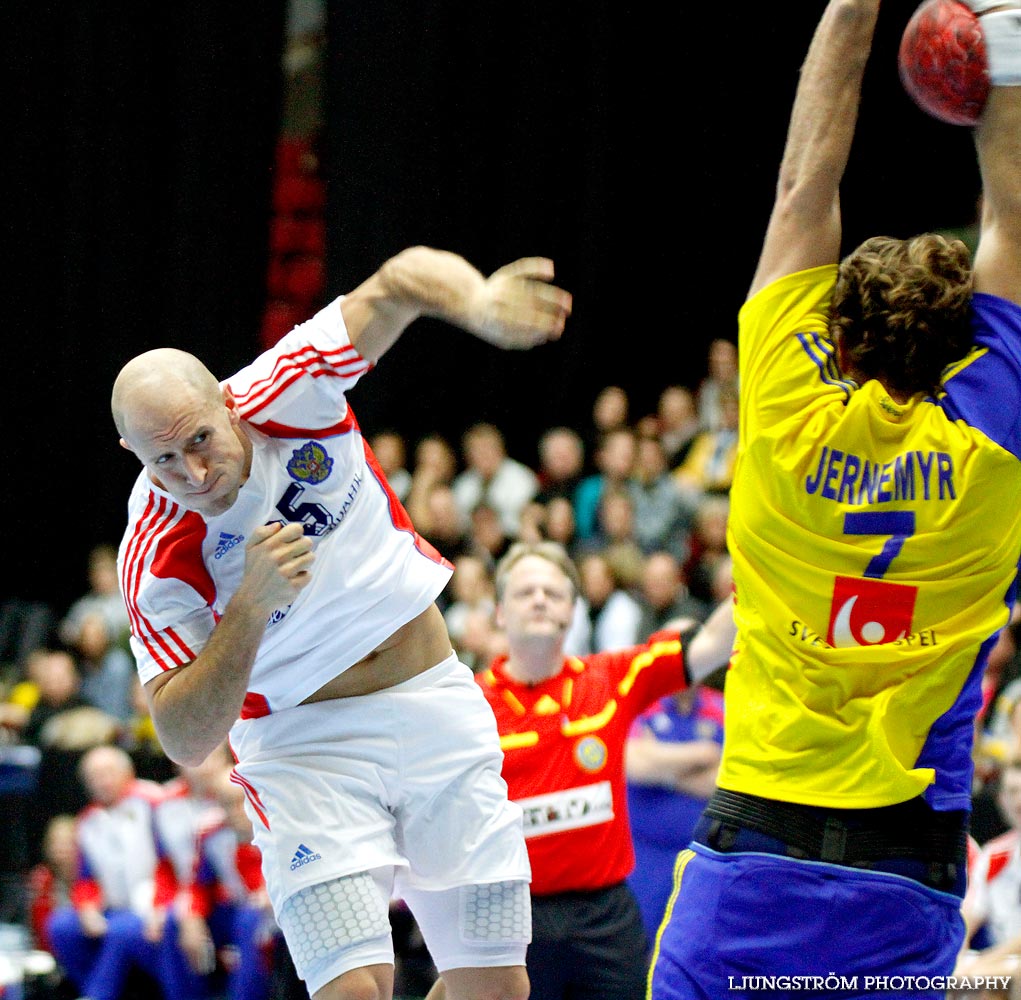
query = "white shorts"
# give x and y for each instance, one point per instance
(407, 778)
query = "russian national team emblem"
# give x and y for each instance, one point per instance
(868, 612)
(310, 463)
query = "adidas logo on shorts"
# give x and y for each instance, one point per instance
(304, 856)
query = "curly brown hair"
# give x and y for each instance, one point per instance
(900, 309)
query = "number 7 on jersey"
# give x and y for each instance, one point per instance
(867, 611)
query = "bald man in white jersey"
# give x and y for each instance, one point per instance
(280, 595)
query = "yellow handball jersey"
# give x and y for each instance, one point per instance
(875, 550)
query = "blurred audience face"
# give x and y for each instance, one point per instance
(711, 523)
(435, 456)
(107, 773)
(480, 638)
(597, 580)
(59, 847)
(722, 360)
(650, 459)
(1009, 795)
(676, 409)
(611, 408)
(484, 450)
(93, 640)
(730, 411)
(471, 581)
(445, 518)
(616, 455)
(560, 523)
(103, 570)
(56, 676)
(662, 580)
(723, 580)
(617, 516)
(647, 426)
(531, 522)
(389, 450)
(561, 455)
(487, 529)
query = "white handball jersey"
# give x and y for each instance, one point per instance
(372, 574)
(117, 848)
(995, 884)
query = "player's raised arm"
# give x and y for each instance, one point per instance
(516, 307)
(804, 228)
(998, 142)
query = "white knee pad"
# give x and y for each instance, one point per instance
(474, 926)
(336, 926)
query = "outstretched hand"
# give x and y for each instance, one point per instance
(517, 307)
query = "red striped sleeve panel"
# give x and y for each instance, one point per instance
(163, 576)
(299, 386)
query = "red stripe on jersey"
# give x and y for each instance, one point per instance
(398, 515)
(129, 586)
(179, 556)
(174, 659)
(180, 643)
(247, 409)
(345, 362)
(142, 542)
(304, 356)
(255, 706)
(253, 797)
(167, 649)
(272, 429)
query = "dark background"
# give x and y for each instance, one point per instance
(637, 147)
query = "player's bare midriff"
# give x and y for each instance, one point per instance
(412, 649)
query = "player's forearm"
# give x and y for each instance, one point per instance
(826, 105)
(419, 281)
(998, 142)
(805, 225)
(712, 645)
(194, 709)
(433, 283)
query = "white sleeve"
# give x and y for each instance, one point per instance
(298, 385)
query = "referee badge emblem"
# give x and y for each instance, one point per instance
(590, 754)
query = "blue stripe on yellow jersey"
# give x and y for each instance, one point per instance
(875, 549)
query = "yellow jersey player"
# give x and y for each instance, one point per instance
(875, 531)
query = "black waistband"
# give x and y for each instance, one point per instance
(909, 831)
